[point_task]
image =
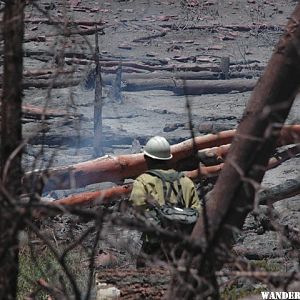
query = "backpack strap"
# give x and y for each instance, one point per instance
(170, 178)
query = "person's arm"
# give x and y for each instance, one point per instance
(192, 198)
(138, 195)
(195, 202)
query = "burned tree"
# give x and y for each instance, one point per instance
(98, 136)
(11, 146)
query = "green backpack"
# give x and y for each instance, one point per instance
(169, 215)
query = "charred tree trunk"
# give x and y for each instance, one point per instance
(11, 138)
(98, 148)
(233, 195)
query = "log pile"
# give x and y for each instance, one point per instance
(116, 169)
(108, 196)
(194, 78)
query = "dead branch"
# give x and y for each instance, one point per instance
(149, 37)
(239, 27)
(55, 292)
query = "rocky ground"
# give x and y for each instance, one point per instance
(188, 37)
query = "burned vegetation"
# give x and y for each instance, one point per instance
(85, 86)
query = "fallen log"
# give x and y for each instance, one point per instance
(50, 83)
(107, 196)
(42, 72)
(32, 111)
(241, 28)
(202, 75)
(289, 188)
(66, 33)
(214, 86)
(50, 21)
(285, 190)
(116, 169)
(253, 254)
(194, 87)
(141, 283)
(102, 197)
(219, 154)
(141, 75)
(170, 68)
(134, 83)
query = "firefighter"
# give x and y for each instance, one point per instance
(163, 188)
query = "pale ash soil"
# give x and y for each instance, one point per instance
(146, 113)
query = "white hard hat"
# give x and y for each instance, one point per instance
(158, 148)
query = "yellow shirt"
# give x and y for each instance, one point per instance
(148, 186)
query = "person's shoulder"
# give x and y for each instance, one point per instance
(186, 179)
(144, 177)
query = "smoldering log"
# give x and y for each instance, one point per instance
(116, 169)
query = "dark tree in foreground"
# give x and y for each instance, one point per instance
(10, 142)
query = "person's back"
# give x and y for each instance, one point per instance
(150, 187)
(165, 188)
